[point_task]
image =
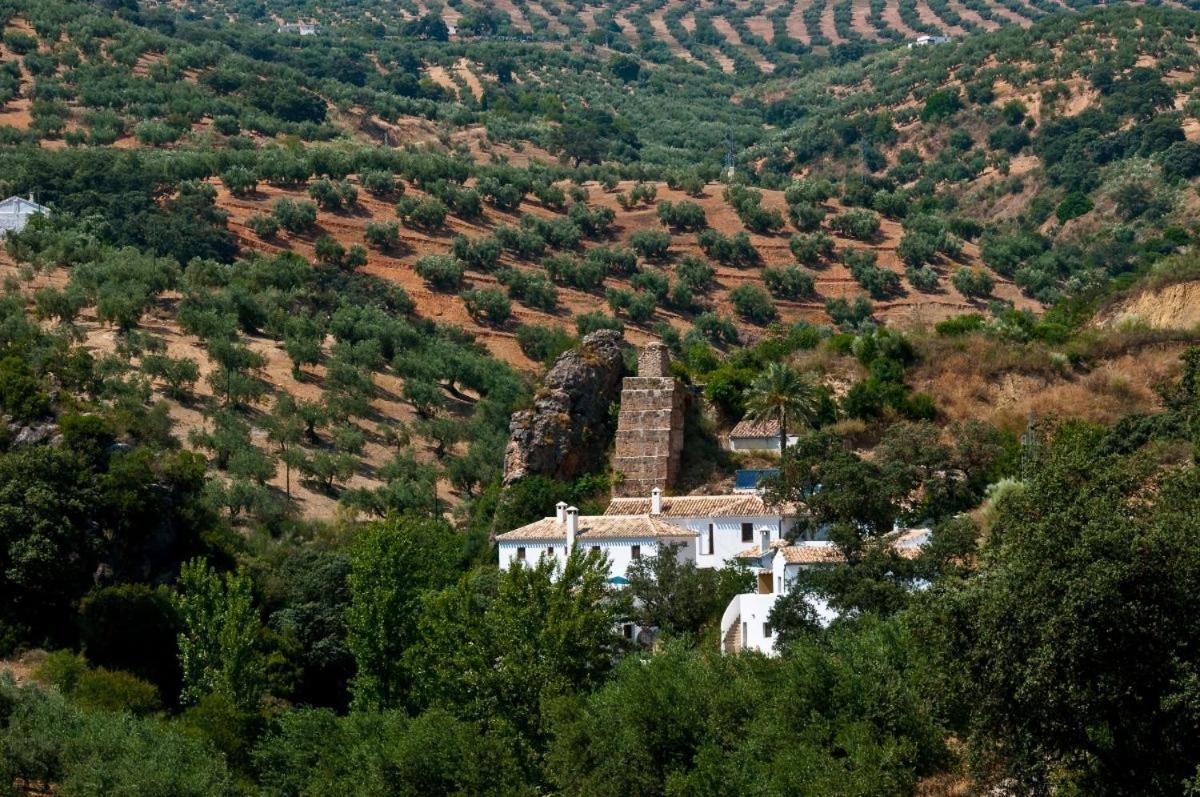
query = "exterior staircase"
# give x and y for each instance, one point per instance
(733, 637)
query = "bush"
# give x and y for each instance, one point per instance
(596, 320)
(858, 223)
(696, 273)
(650, 244)
(753, 304)
(532, 289)
(849, 314)
(736, 251)
(682, 215)
(479, 254)
(443, 272)
(806, 216)
(488, 305)
(940, 104)
(543, 344)
(922, 278)
(1074, 205)
(879, 282)
(380, 183)
(789, 282)
(811, 248)
(973, 283)
(265, 227)
(382, 235)
(295, 217)
(424, 214)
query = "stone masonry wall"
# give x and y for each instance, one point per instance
(649, 427)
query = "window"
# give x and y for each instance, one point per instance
(635, 551)
(710, 539)
(767, 630)
(595, 549)
(627, 629)
(550, 551)
(745, 632)
(747, 532)
(521, 554)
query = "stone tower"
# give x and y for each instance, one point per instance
(650, 426)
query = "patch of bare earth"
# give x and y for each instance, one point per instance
(828, 26)
(661, 32)
(891, 17)
(860, 21)
(794, 24)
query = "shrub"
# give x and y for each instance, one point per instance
(940, 104)
(543, 343)
(1074, 205)
(380, 183)
(696, 273)
(295, 217)
(789, 282)
(488, 305)
(811, 248)
(682, 215)
(715, 328)
(736, 251)
(425, 214)
(806, 216)
(479, 254)
(923, 278)
(879, 282)
(753, 304)
(444, 272)
(596, 320)
(382, 235)
(264, 227)
(650, 244)
(239, 180)
(619, 262)
(532, 289)
(849, 314)
(858, 223)
(973, 283)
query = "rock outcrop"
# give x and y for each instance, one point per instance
(567, 431)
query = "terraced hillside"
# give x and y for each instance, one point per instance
(739, 36)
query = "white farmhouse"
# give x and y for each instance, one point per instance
(623, 538)
(16, 211)
(757, 437)
(724, 525)
(745, 624)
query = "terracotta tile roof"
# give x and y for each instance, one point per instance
(756, 552)
(811, 554)
(593, 527)
(678, 506)
(768, 427)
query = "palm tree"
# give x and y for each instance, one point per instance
(781, 394)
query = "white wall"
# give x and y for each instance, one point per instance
(727, 536)
(759, 443)
(619, 552)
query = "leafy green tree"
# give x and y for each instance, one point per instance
(392, 565)
(677, 597)
(1071, 655)
(219, 647)
(495, 647)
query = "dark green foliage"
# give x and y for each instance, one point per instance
(444, 272)
(543, 344)
(753, 304)
(789, 282)
(488, 305)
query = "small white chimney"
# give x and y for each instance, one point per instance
(572, 528)
(560, 511)
(765, 535)
(656, 501)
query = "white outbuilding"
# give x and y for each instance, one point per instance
(16, 211)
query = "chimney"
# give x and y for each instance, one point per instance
(572, 528)
(656, 501)
(560, 512)
(765, 535)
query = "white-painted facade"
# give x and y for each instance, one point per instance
(621, 539)
(16, 211)
(759, 445)
(723, 526)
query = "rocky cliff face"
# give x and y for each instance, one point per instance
(567, 432)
